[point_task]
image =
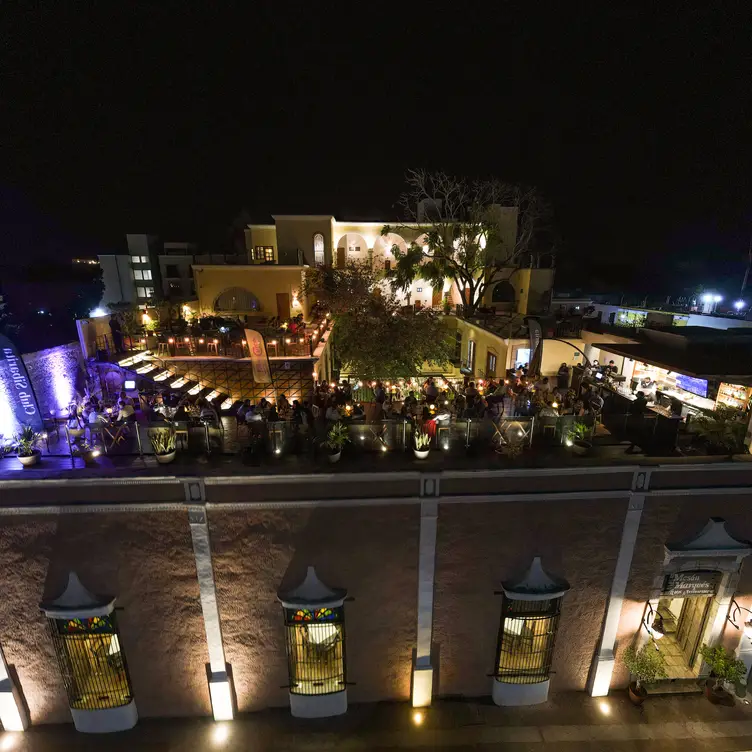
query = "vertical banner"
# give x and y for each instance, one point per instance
(262, 373)
(18, 404)
(536, 345)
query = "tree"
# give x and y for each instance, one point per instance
(374, 336)
(466, 236)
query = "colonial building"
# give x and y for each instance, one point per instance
(146, 595)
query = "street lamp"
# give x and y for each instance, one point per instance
(739, 304)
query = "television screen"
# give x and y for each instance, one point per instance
(692, 384)
(129, 385)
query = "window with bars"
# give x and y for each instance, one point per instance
(92, 662)
(526, 640)
(315, 641)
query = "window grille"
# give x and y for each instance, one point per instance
(526, 640)
(315, 640)
(92, 662)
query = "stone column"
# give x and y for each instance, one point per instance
(599, 681)
(220, 682)
(422, 668)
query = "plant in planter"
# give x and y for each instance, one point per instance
(726, 669)
(25, 444)
(336, 438)
(421, 444)
(722, 430)
(645, 665)
(163, 443)
(578, 438)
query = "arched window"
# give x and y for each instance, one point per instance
(318, 248)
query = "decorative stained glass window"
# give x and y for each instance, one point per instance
(315, 650)
(92, 662)
(526, 640)
(318, 248)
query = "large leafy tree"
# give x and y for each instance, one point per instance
(374, 336)
(467, 237)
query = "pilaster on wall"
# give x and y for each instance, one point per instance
(13, 713)
(422, 690)
(220, 682)
(599, 681)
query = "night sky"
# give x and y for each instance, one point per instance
(635, 124)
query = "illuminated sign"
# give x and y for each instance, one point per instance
(18, 404)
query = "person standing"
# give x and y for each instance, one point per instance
(117, 334)
(562, 377)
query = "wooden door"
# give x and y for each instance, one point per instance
(283, 306)
(417, 305)
(438, 296)
(341, 257)
(691, 626)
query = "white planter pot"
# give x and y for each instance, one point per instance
(334, 457)
(76, 432)
(165, 459)
(421, 454)
(30, 459)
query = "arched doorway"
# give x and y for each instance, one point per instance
(351, 247)
(236, 300)
(503, 292)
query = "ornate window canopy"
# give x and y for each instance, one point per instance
(535, 585)
(312, 592)
(76, 602)
(712, 540)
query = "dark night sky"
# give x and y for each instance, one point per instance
(636, 125)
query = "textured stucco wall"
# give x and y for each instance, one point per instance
(147, 561)
(373, 552)
(57, 374)
(481, 545)
(671, 520)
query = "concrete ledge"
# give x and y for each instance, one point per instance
(519, 694)
(106, 720)
(318, 706)
(13, 713)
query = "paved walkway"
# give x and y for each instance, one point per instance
(567, 723)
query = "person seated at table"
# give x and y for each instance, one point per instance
(346, 389)
(94, 402)
(170, 399)
(471, 392)
(95, 416)
(432, 391)
(273, 416)
(358, 411)
(640, 404)
(182, 413)
(242, 410)
(251, 416)
(562, 377)
(155, 416)
(208, 413)
(125, 399)
(332, 412)
(379, 393)
(263, 405)
(282, 404)
(126, 413)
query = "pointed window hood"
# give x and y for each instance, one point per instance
(713, 539)
(312, 592)
(76, 602)
(535, 585)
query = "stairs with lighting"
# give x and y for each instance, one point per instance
(146, 366)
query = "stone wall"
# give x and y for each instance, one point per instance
(58, 376)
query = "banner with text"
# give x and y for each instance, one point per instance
(262, 374)
(18, 405)
(536, 345)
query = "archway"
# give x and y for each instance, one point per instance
(351, 247)
(236, 300)
(503, 292)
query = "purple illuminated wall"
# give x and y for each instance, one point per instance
(57, 375)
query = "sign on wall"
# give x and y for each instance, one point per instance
(18, 404)
(682, 584)
(259, 361)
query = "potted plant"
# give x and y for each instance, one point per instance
(26, 444)
(578, 438)
(336, 438)
(725, 669)
(421, 444)
(163, 443)
(645, 665)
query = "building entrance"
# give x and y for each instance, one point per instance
(683, 622)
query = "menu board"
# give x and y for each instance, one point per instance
(692, 384)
